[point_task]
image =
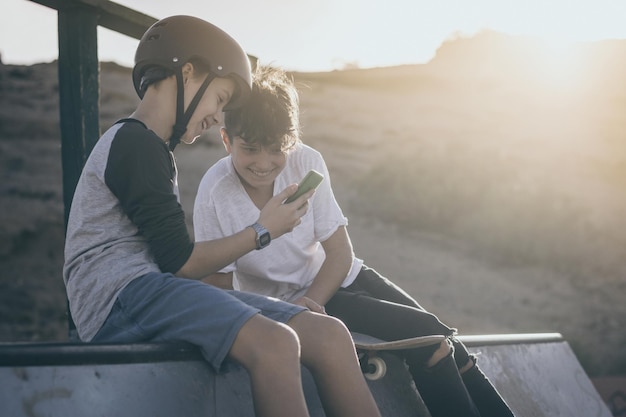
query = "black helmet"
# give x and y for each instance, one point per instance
(173, 41)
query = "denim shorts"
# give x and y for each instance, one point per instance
(163, 307)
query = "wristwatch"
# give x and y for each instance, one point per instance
(263, 237)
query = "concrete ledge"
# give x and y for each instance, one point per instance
(61, 354)
(537, 374)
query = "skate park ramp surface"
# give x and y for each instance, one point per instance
(537, 374)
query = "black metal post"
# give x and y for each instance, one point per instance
(79, 97)
(78, 92)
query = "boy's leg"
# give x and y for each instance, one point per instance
(362, 311)
(483, 393)
(390, 314)
(161, 307)
(441, 387)
(328, 352)
(432, 367)
(270, 352)
(378, 286)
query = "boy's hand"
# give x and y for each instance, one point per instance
(310, 304)
(279, 218)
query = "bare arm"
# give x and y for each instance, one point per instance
(339, 255)
(220, 280)
(209, 257)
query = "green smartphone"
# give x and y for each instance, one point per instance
(310, 181)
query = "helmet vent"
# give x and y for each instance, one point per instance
(154, 37)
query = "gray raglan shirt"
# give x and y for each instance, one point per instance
(125, 221)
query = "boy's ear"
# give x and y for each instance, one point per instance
(225, 139)
(187, 70)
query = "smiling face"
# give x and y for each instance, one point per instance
(210, 107)
(257, 166)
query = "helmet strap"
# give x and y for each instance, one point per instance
(182, 116)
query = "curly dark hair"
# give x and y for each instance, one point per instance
(270, 117)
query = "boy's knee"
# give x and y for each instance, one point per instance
(442, 351)
(471, 362)
(320, 331)
(265, 342)
(280, 339)
(325, 340)
(334, 327)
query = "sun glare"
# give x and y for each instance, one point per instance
(559, 61)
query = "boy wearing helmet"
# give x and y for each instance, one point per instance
(314, 266)
(131, 271)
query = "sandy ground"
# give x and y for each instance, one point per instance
(487, 202)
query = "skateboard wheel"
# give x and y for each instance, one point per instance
(376, 368)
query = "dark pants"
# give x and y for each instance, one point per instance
(375, 306)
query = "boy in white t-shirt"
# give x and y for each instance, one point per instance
(314, 265)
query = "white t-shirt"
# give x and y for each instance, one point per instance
(286, 268)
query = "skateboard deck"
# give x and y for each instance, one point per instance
(370, 343)
(373, 365)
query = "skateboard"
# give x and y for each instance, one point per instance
(368, 347)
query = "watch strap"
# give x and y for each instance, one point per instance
(262, 235)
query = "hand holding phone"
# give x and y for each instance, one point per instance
(310, 181)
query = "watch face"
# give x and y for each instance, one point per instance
(264, 239)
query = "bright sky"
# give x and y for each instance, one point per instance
(320, 35)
